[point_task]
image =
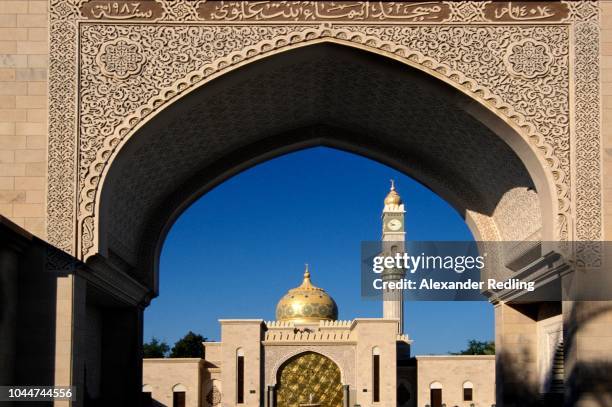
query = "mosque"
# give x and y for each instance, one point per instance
(308, 358)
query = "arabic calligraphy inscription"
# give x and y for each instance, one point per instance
(121, 10)
(306, 11)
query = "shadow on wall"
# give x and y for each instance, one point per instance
(28, 290)
(587, 382)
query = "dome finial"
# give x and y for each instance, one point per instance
(393, 197)
(306, 282)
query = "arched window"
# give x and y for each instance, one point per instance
(468, 391)
(239, 376)
(376, 374)
(178, 395)
(435, 394)
(147, 395)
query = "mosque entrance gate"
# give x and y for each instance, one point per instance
(121, 71)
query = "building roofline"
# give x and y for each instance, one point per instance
(440, 357)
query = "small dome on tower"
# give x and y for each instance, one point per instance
(393, 197)
(306, 303)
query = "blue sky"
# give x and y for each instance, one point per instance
(240, 247)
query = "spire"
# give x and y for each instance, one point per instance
(392, 185)
(306, 282)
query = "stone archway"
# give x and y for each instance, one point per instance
(507, 42)
(309, 377)
(139, 199)
(524, 92)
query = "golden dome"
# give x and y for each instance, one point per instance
(393, 197)
(306, 303)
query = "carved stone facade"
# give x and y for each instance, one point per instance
(516, 58)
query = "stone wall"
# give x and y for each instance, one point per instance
(452, 372)
(162, 375)
(23, 112)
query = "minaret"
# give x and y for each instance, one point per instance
(393, 241)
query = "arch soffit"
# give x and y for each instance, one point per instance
(536, 154)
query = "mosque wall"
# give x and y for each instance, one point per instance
(163, 376)
(452, 373)
(244, 336)
(380, 333)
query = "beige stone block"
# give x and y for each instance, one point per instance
(38, 34)
(7, 156)
(608, 213)
(36, 169)
(7, 129)
(7, 182)
(13, 61)
(12, 196)
(13, 88)
(30, 156)
(7, 74)
(37, 7)
(13, 7)
(6, 210)
(36, 141)
(13, 115)
(13, 34)
(12, 142)
(12, 169)
(8, 47)
(37, 115)
(32, 47)
(606, 75)
(30, 129)
(32, 20)
(35, 197)
(37, 88)
(31, 102)
(606, 89)
(606, 61)
(607, 180)
(18, 221)
(8, 20)
(35, 226)
(29, 183)
(26, 210)
(7, 101)
(38, 61)
(31, 74)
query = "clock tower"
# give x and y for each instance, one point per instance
(393, 241)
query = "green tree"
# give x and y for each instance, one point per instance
(190, 346)
(155, 349)
(478, 348)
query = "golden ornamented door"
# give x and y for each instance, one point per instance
(309, 379)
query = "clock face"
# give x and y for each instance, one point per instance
(394, 224)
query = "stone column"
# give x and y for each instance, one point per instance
(271, 394)
(345, 395)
